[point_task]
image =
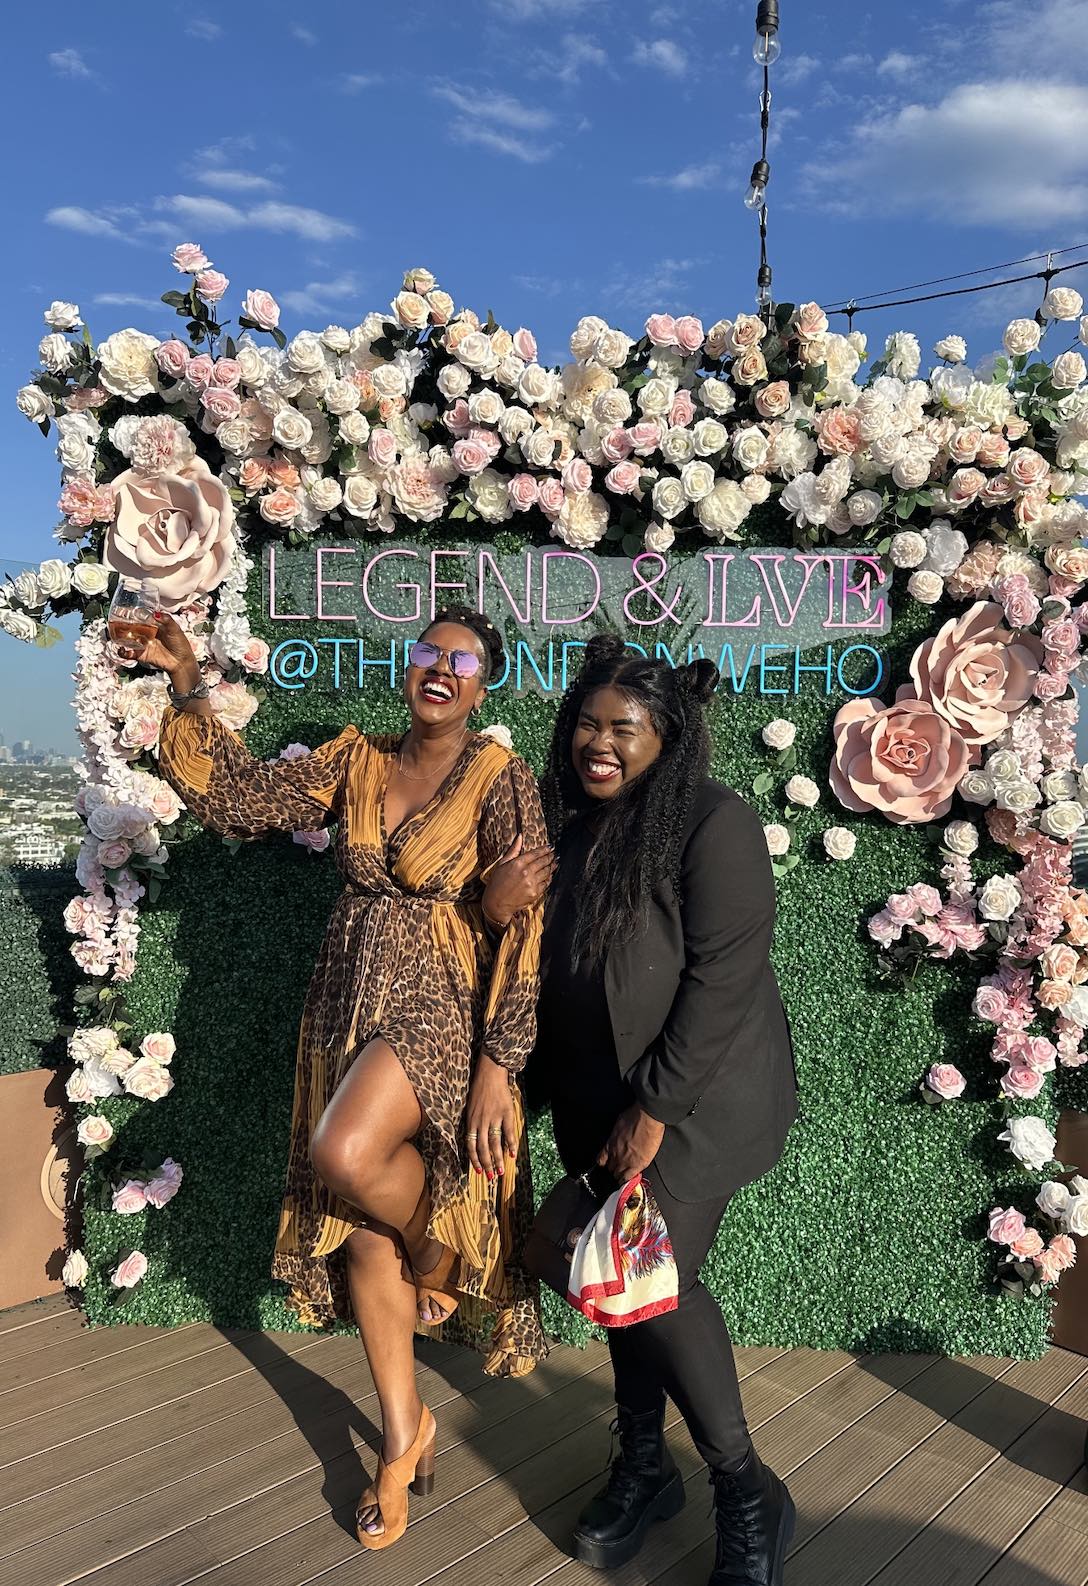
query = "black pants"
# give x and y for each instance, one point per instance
(686, 1353)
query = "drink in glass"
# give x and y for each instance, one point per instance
(134, 615)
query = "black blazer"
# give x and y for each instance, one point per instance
(700, 1031)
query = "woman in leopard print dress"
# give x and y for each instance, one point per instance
(407, 1189)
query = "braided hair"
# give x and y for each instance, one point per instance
(641, 832)
(487, 633)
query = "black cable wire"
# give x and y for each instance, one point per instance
(763, 275)
(841, 304)
(853, 307)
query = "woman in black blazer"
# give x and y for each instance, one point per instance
(663, 1048)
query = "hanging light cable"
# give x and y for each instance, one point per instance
(766, 51)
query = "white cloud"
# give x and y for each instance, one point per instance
(687, 179)
(662, 54)
(896, 64)
(1053, 37)
(213, 214)
(202, 28)
(130, 300)
(319, 297)
(577, 52)
(486, 104)
(199, 210)
(69, 63)
(70, 217)
(795, 68)
(355, 82)
(498, 141)
(999, 153)
(304, 35)
(233, 181)
(527, 10)
(662, 287)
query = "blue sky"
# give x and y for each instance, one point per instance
(545, 158)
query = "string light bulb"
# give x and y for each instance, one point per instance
(767, 47)
(756, 196)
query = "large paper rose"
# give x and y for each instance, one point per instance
(903, 760)
(175, 530)
(976, 673)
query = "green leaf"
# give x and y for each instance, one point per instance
(613, 533)
(790, 861)
(787, 758)
(232, 844)
(632, 544)
(279, 338)
(178, 300)
(884, 546)
(229, 348)
(905, 506)
(46, 636)
(763, 783)
(783, 314)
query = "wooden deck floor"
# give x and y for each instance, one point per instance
(143, 1457)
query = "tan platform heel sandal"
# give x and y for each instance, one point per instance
(413, 1470)
(436, 1282)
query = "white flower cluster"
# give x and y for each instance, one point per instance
(103, 1067)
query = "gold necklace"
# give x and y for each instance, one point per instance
(410, 777)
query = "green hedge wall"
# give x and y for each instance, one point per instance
(37, 972)
(869, 1233)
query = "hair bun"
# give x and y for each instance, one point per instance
(603, 648)
(699, 680)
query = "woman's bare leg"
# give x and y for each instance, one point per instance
(385, 1309)
(362, 1151)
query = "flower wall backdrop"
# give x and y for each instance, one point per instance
(959, 788)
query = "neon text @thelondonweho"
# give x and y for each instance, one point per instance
(773, 621)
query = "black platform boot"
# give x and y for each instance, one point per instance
(644, 1486)
(755, 1518)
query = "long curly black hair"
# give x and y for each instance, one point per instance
(487, 633)
(641, 830)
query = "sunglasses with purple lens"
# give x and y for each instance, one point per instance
(463, 663)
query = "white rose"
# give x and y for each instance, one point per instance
(1082, 330)
(960, 837)
(54, 578)
(927, 588)
(1068, 371)
(802, 790)
(341, 396)
(128, 367)
(659, 537)
(722, 512)
(486, 406)
(655, 398)
(613, 348)
(1018, 796)
(336, 338)
(668, 497)
(1061, 820)
(1057, 785)
(946, 548)
(911, 471)
(1053, 1200)
(1062, 302)
(325, 493)
(902, 355)
(515, 423)
(1003, 765)
(99, 1079)
(678, 446)
(1021, 336)
(1076, 1216)
(539, 448)
(95, 1130)
(389, 380)
(536, 386)
(251, 362)
(953, 349)
(1030, 1141)
(148, 1080)
(749, 448)
(611, 408)
(583, 520)
(355, 429)
(305, 353)
(27, 589)
(490, 496)
(19, 625)
(360, 495)
(585, 336)
(779, 734)
(863, 507)
(454, 381)
(999, 898)
(697, 479)
(75, 452)
(291, 428)
(756, 488)
(709, 437)
(719, 397)
(778, 840)
(907, 549)
(62, 316)
(56, 353)
(74, 1272)
(476, 352)
(33, 403)
(839, 843)
(90, 578)
(411, 309)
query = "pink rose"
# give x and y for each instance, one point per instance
(95, 1130)
(1059, 962)
(148, 1080)
(946, 1081)
(1063, 1251)
(130, 1271)
(1028, 1245)
(1049, 687)
(211, 285)
(253, 475)
(525, 344)
(83, 502)
(279, 508)
(220, 404)
(996, 491)
(1020, 605)
(750, 367)
(645, 436)
(622, 479)
(683, 408)
(1062, 636)
(975, 673)
(1006, 1225)
(1039, 1053)
(1054, 994)
(809, 321)
(165, 1185)
(839, 432)
(964, 486)
(552, 496)
(990, 1004)
(176, 529)
(382, 448)
(199, 372)
(233, 704)
(1026, 468)
(80, 398)
(689, 333)
(129, 1197)
(1021, 1081)
(993, 450)
(903, 760)
(577, 476)
(457, 418)
(486, 438)
(1047, 1266)
(469, 456)
(925, 897)
(262, 308)
(773, 400)
(524, 491)
(294, 751)
(963, 446)
(661, 329)
(112, 855)
(255, 656)
(616, 445)
(189, 257)
(173, 358)
(226, 372)
(316, 842)
(159, 1046)
(901, 906)
(884, 929)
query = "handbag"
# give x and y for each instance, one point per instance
(552, 1240)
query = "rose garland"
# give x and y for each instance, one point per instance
(177, 456)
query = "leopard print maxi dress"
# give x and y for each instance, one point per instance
(407, 957)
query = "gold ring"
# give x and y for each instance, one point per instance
(474, 1134)
(496, 1129)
